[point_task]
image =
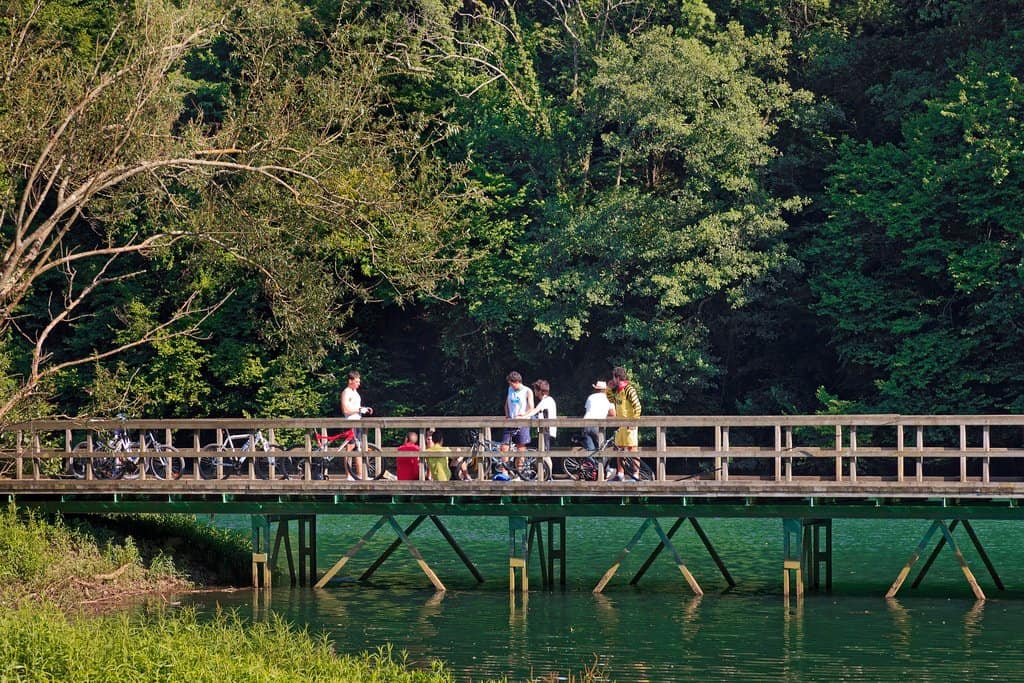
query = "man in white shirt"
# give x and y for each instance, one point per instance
(597, 407)
(352, 408)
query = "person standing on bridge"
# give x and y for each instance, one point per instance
(353, 409)
(518, 403)
(545, 408)
(597, 407)
(625, 403)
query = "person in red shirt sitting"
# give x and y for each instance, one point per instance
(409, 466)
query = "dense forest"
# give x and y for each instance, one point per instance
(756, 206)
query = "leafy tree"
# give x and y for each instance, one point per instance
(226, 146)
(918, 269)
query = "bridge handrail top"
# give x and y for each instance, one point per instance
(498, 422)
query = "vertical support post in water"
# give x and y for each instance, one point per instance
(517, 553)
(283, 535)
(555, 552)
(792, 556)
(815, 553)
(307, 550)
(261, 573)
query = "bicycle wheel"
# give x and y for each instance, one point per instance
(77, 467)
(261, 462)
(167, 466)
(370, 462)
(107, 468)
(532, 467)
(131, 466)
(208, 464)
(641, 470)
(580, 469)
(295, 465)
(103, 466)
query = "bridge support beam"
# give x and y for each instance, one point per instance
(947, 537)
(261, 566)
(265, 552)
(518, 554)
(817, 551)
(977, 545)
(792, 556)
(665, 541)
(703, 538)
(408, 532)
(305, 550)
(806, 546)
(553, 553)
(403, 538)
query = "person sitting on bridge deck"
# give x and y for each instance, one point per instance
(437, 467)
(408, 466)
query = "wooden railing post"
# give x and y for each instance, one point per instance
(839, 455)
(919, 465)
(963, 449)
(778, 450)
(853, 454)
(986, 446)
(899, 453)
(725, 448)
(660, 466)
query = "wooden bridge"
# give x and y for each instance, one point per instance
(804, 470)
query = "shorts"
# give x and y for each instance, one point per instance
(519, 436)
(625, 437)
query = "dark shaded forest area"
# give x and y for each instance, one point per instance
(755, 206)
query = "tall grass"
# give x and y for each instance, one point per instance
(87, 559)
(42, 643)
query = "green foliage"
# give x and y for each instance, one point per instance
(922, 281)
(742, 201)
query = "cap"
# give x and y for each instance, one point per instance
(601, 385)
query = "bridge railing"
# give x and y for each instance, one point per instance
(900, 448)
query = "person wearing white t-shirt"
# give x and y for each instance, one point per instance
(352, 408)
(597, 407)
(546, 409)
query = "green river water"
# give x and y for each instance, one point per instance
(658, 631)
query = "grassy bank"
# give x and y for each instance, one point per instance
(83, 561)
(43, 643)
(55, 572)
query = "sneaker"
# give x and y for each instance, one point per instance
(617, 477)
(609, 472)
(502, 476)
(387, 476)
(350, 478)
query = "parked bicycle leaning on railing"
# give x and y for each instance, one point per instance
(239, 463)
(116, 456)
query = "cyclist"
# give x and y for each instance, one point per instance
(353, 409)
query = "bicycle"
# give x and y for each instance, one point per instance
(123, 458)
(337, 443)
(248, 442)
(507, 465)
(586, 468)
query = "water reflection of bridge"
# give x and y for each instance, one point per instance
(803, 470)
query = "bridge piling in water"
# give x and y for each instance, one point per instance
(553, 553)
